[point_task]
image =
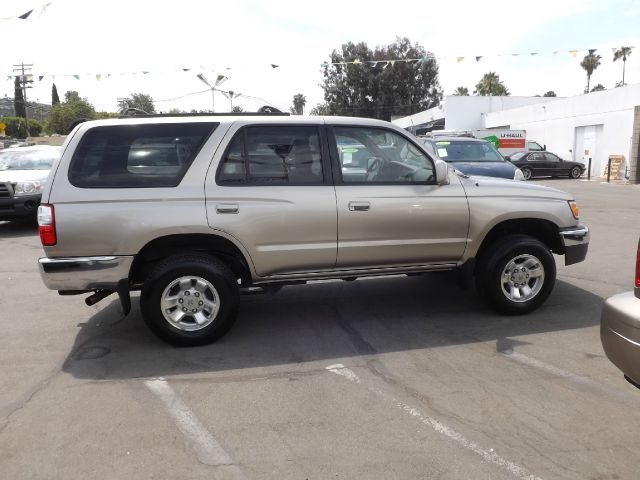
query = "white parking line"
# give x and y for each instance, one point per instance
(207, 449)
(487, 455)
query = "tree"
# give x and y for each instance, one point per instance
(237, 109)
(322, 109)
(490, 85)
(589, 64)
(141, 101)
(17, 127)
(461, 92)
(299, 101)
(598, 88)
(622, 53)
(379, 83)
(18, 99)
(55, 99)
(64, 116)
(550, 93)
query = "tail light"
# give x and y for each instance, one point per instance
(638, 267)
(47, 225)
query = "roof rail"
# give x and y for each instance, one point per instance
(262, 111)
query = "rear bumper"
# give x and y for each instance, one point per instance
(84, 273)
(576, 243)
(18, 207)
(620, 333)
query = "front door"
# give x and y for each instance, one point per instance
(391, 212)
(273, 193)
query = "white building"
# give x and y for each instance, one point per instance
(594, 125)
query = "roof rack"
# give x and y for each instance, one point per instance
(449, 133)
(265, 111)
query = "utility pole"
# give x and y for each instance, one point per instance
(23, 69)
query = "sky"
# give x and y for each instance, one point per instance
(117, 40)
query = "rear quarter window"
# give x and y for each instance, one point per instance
(129, 156)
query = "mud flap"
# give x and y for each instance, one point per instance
(123, 293)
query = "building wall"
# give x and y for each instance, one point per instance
(564, 124)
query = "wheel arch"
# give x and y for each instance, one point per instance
(211, 244)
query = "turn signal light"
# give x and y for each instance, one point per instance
(47, 225)
(574, 209)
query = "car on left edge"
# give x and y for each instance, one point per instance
(620, 329)
(23, 174)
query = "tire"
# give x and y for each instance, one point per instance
(526, 172)
(575, 172)
(200, 284)
(536, 281)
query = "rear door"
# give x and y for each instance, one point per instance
(272, 191)
(391, 212)
(538, 164)
(555, 166)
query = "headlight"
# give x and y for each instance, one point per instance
(518, 175)
(26, 188)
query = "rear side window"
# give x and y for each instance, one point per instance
(128, 156)
(273, 155)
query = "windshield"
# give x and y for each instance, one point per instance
(27, 160)
(467, 151)
(517, 155)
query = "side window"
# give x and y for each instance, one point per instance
(536, 157)
(550, 157)
(273, 155)
(377, 155)
(129, 156)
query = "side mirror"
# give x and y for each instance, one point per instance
(544, 147)
(442, 172)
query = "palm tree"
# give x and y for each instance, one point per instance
(490, 84)
(299, 101)
(590, 63)
(461, 92)
(622, 53)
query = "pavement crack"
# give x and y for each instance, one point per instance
(361, 346)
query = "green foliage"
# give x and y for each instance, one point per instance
(490, 84)
(461, 92)
(55, 99)
(18, 99)
(299, 101)
(322, 109)
(63, 117)
(17, 127)
(622, 53)
(550, 93)
(589, 64)
(237, 109)
(598, 88)
(376, 88)
(141, 101)
(105, 115)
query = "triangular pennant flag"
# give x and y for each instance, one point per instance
(40, 77)
(186, 69)
(573, 53)
(9, 77)
(144, 72)
(478, 58)
(273, 65)
(374, 64)
(592, 51)
(108, 75)
(613, 49)
(533, 54)
(392, 62)
(43, 8)
(356, 61)
(459, 59)
(77, 77)
(515, 54)
(98, 76)
(24, 16)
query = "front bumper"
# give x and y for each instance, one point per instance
(18, 207)
(84, 273)
(576, 243)
(620, 333)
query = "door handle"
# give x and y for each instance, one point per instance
(227, 208)
(359, 206)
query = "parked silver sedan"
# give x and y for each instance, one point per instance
(620, 329)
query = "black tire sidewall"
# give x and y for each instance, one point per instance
(526, 169)
(214, 272)
(490, 279)
(571, 174)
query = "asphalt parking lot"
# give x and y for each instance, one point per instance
(404, 377)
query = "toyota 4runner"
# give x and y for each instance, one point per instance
(195, 210)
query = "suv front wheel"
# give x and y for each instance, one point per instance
(190, 300)
(516, 275)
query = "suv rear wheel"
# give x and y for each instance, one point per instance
(190, 300)
(516, 275)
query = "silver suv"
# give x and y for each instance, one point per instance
(195, 210)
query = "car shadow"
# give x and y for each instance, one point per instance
(322, 321)
(26, 228)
